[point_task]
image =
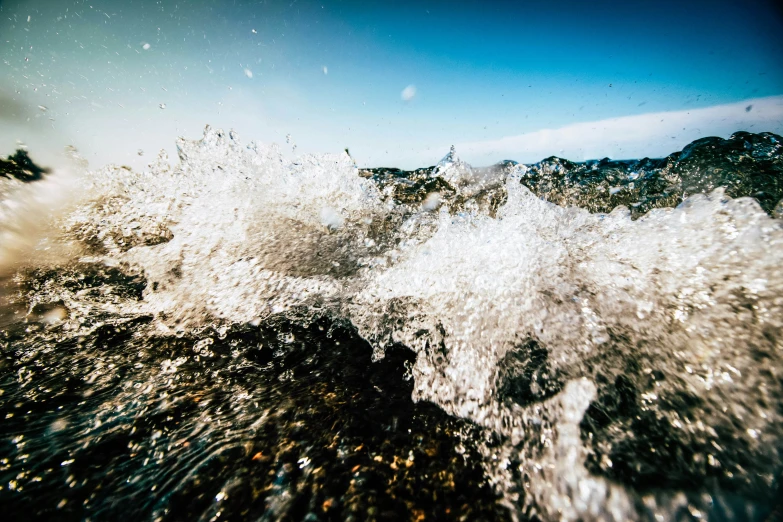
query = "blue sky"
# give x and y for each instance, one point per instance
(331, 75)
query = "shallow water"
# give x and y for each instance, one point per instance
(243, 336)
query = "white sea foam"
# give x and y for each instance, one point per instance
(688, 292)
(691, 295)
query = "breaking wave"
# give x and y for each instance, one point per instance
(602, 340)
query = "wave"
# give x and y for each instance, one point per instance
(610, 328)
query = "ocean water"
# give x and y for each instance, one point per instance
(243, 336)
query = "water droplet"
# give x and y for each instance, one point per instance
(248, 73)
(408, 93)
(331, 218)
(146, 46)
(432, 201)
(162, 105)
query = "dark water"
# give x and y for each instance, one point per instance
(276, 422)
(111, 411)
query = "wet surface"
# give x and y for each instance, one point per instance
(270, 422)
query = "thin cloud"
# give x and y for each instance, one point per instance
(652, 134)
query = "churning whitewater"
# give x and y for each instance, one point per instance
(602, 340)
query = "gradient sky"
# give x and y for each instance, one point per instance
(332, 73)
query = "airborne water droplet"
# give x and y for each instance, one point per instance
(432, 201)
(331, 218)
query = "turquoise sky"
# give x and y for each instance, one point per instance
(116, 78)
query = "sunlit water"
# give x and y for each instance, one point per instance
(247, 337)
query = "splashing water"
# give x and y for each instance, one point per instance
(599, 367)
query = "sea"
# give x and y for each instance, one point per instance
(241, 335)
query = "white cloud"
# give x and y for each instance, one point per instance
(652, 134)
